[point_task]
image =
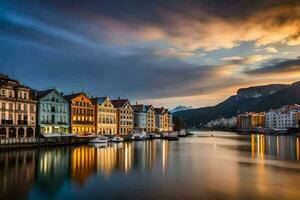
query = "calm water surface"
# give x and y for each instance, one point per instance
(226, 166)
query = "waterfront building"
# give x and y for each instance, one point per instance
(150, 119)
(18, 109)
(81, 113)
(124, 116)
(140, 117)
(161, 119)
(52, 112)
(105, 117)
(251, 121)
(170, 122)
(280, 120)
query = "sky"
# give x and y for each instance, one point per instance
(165, 53)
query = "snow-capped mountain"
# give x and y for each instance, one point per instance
(180, 108)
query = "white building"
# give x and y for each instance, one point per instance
(280, 120)
(223, 123)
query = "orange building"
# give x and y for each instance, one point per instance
(82, 113)
(297, 119)
(250, 120)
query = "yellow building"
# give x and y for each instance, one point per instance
(81, 114)
(166, 120)
(150, 119)
(124, 116)
(162, 119)
(106, 116)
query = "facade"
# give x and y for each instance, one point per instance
(150, 119)
(161, 119)
(124, 116)
(170, 122)
(18, 109)
(106, 116)
(250, 121)
(280, 120)
(52, 112)
(140, 117)
(81, 114)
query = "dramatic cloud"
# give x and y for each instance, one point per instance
(278, 66)
(271, 49)
(154, 50)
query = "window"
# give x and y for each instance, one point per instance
(19, 106)
(3, 105)
(10, 94)
(10, 106)
(25, 95)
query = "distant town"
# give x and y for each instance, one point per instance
(283, 120)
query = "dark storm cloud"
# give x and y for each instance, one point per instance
(278, 66)
(90, 45)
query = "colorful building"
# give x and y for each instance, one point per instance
(251, 121)
(53, 112)
(140, 117)
(161, 119)
(106, 116)
(82, 115)
(124, 116)
(18, 109)
(170, 122)
(150, 119)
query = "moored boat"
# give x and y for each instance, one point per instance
(117, 139)
(182, 133)
(171, 136)
(99, 139)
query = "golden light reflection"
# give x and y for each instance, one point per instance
(297, 149)
(164, 156)
(280, 147)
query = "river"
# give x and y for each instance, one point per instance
(225, 166)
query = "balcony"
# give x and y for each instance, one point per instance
(22, 122)
(6, 122)
(83, 122)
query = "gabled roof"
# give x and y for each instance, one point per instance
(138, 108)
(69, 97)
(147, 107)
(41, 94)
(161, 110)
(99, 100)
(118, 103)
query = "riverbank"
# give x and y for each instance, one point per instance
(12, 143)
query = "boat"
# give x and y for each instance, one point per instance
(171, 136)
(117, 139)
(152, 136)
(99, 139)
(182, 133)
(137, 136)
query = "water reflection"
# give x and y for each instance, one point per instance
(159, 166)
(275, 147)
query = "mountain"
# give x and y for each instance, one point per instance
(259, 98)
(180, 108)
(259, 91)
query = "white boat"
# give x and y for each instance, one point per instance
(137, 135)
(152, 136)
(182, 133)
(171, 136)
(117, 139)
(99, 139)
